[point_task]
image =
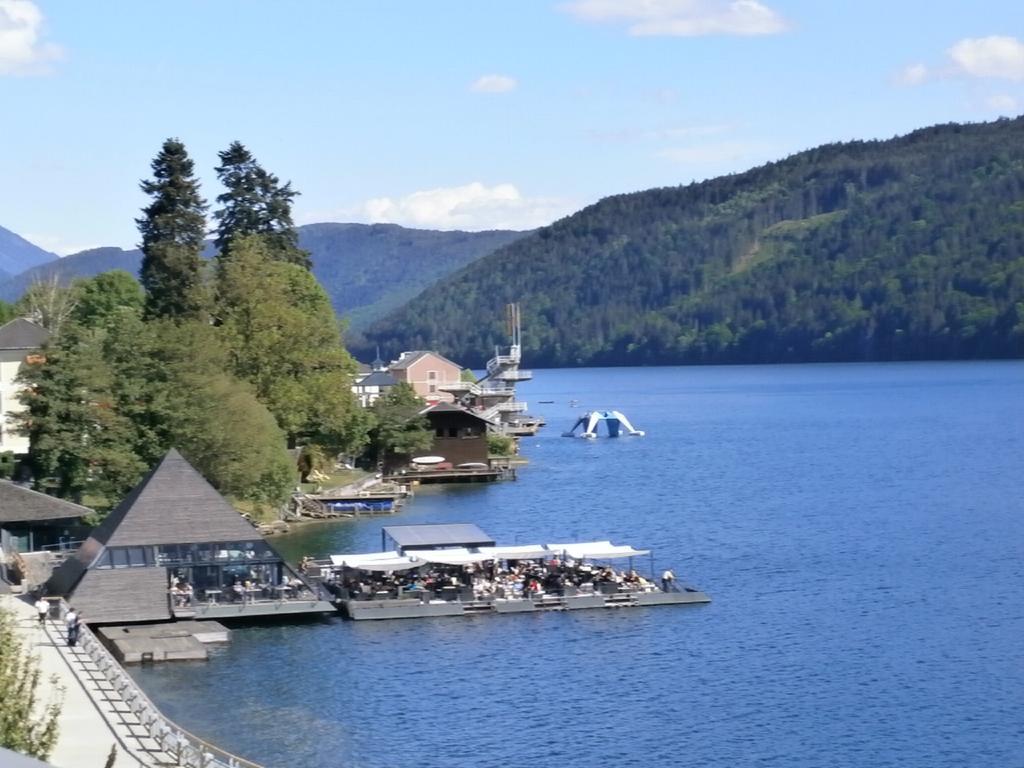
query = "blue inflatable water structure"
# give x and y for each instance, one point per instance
(613, 421)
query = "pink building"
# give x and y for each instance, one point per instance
(427, 372)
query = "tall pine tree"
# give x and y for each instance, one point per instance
(255, 203)
(173, 227)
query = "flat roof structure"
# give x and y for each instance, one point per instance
(408, 538)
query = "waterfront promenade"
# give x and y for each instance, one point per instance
(94, 718)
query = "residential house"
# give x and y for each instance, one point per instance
(427, 373)
(19, 339)
(373, 386)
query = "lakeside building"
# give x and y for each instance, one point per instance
(175, 548)
(374, 385)
(428, 373)
(19, 340)
(33, 522)
(460, 436)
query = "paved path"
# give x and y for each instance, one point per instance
(90, 722)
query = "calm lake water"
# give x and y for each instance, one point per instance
(860, 529)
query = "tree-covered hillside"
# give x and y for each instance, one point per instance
(910, 248)
(367, 270)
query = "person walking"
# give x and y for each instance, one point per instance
(42, 608)
(666, 580)
(74, 625)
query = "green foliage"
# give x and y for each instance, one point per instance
(7, 312)
(467, 375)
(27, 724)
(173, 227)
(283, 338)
(7, 465)
(500, 445)
(397, 429)
(100, 300)
(255, 203)
(80, 442)
(911, 248)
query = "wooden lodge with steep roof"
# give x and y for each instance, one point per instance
(174, 549)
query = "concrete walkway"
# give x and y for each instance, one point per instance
(89, 722)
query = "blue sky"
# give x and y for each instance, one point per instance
(466, 115)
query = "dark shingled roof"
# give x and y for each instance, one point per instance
(22, 334)
(378, 379)
(173, 505)
(444, 407)
(122, 595)
(20, 505)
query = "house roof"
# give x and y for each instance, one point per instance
(22, 334)
(19, 505)
(437, 535)
(173, 505)
(121, 595)
(362, 367)
(408, 358)
(378, 379)
(444, 407)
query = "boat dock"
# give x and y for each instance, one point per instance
(456, 570)
(424, 476)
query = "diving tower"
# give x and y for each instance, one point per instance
(614, 422)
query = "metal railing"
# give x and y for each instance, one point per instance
(185, 749)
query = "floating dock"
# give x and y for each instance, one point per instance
(456, 570)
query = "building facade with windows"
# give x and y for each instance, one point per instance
(19, 340)
(428, 373)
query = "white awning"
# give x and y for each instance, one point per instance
(454, 556)
(376, 561)
(596, 550)
(520, 552)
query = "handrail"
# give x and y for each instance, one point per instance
(187, 749)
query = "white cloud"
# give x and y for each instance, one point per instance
(494, 84)
(914, 74)
(682, 18)
(22, 49)
(996, 56)
(1004, 104)
(472, 207)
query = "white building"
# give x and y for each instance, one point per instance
(18, 339)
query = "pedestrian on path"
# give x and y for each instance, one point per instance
(42, 608)
(74, 625)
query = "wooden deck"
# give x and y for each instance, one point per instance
(430, 476)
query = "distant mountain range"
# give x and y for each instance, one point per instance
(911, 248)
(367, 270)
(17, 254)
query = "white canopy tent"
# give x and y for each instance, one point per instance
(377, 561)
(519, 552)
(596, 550)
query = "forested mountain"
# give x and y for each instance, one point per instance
(17, 254)
(367, 270)
(910, 248)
